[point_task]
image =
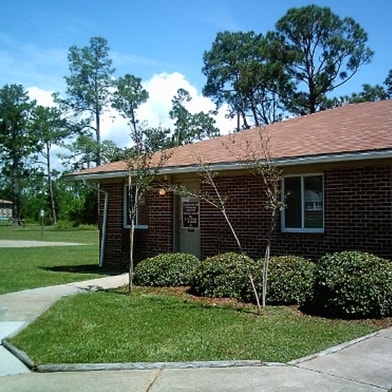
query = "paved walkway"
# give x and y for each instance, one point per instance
(30, 244)
(361, 365)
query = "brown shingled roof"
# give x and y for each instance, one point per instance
(351, 129)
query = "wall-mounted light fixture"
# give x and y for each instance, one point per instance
(162, 192)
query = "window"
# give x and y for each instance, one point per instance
(304, 203)
(141, 212)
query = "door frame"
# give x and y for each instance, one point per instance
(193, 185)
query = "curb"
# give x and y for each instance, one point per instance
(84, 367)
(333, 349)
(80, 367)
(21, 355)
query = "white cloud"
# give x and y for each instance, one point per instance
(155, 112)
(115, 128)
(43, 97)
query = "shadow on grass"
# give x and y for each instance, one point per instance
(85, 269)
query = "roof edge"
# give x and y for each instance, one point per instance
(288, 161)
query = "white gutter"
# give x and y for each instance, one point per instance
(328, 158)
(104, 223)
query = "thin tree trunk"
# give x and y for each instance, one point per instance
(15, 192)
(131, 246)
(267, 253)
(265, 273)
(223, 210)
(50, 184)
(98, 135)
(132, 209)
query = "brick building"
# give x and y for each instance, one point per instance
(336, 182)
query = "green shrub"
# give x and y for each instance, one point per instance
(64, 225)
(290, 280)
(170, 269)
(223, 275)
(353, 284)
(86, 227)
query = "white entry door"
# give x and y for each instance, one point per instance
(189, 224)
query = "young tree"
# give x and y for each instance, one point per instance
(321, 52)
(241, 73)
(143, 167)
(256, 155)
(17, 142)
(189, 127)
(142, 160)
(218, 201)
(50, 129)
(89, 87)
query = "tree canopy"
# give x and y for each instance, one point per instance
(16, 140)
(50, 128)
(189, 127)
(88, 87)
(295, 69)
(290, 70)
(241, 74)
(129, 96)
(322, 52)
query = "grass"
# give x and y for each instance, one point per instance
(152, 324)
(155, 325)
(33, 232)
(26, 268)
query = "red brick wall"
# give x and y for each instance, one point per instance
(244, 204)
(357, 215)
(116, 244)
(359, 209)
(157, 238)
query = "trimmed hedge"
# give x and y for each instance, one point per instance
(224, 276)
(290, 280)
(353, 284)
(170, 269)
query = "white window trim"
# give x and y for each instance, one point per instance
(284, 229)
(126, 225)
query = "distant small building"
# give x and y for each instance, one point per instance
(5, 210)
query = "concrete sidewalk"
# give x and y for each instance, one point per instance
(31, 244)
(362, 365)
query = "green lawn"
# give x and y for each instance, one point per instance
(152, 325)
(25, 268)
(33, 232)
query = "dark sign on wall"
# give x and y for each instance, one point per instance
(190, 214)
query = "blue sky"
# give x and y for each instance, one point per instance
(161, 41)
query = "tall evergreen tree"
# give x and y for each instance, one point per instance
(129, 96)
(189, 127)
(388, 84)
(51, 129)
(240, 73)
(321, 52)
(16, 140)
(88, 92)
